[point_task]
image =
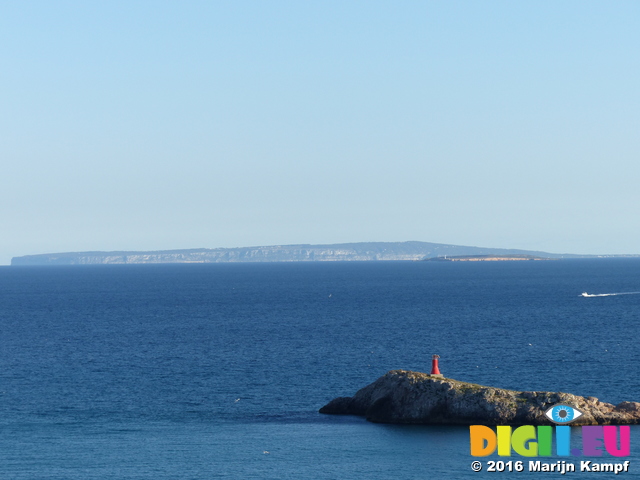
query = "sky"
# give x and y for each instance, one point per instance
(153, 125)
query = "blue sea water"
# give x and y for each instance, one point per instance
(218, 371)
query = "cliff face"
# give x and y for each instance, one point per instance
(411, 397)
(222, 255)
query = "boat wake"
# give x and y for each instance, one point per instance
(585, 294)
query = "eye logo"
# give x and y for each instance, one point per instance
(562, 414)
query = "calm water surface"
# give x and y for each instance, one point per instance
(217, 371)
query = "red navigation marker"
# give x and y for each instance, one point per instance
(434, 366)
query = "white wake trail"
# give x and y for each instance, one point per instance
(585, 294)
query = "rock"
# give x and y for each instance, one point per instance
(403, 396)
(633, 407)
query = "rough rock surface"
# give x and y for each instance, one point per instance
(403, 396)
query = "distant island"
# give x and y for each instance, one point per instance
(485, 258)
(364, 251)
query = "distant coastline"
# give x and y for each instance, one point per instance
(343, 252)
(486, 258)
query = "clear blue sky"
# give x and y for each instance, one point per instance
(151, 125)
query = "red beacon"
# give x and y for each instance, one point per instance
(435, 371)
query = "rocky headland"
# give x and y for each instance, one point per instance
(409, 397)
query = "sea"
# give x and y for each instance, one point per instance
(217, 371)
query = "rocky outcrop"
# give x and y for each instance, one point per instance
(416, 398)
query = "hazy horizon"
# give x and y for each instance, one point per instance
(156, 126)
